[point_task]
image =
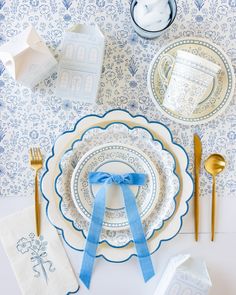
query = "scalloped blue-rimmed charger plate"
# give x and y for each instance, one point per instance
(159, 131)
(156, 200)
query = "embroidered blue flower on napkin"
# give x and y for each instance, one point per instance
(37, 248)
(40, 264)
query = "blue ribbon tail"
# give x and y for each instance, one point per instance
(93, 237)
(86, 269)
(138, 233)
(136, 227)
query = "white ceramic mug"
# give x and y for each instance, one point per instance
(187, 79)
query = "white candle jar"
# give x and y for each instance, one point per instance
(150, 34)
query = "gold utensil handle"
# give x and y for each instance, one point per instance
(37, 206)
(196, 206)
(213, 209)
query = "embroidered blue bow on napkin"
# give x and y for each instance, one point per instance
(123, 180)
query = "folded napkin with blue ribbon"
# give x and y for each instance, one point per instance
(124, 181)
(40, 264)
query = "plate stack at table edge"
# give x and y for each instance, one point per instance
(124, 144)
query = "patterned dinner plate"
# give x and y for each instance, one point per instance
(76, 239)
(155, 200)
(218, 95)
(119, 159)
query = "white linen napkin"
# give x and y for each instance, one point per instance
(40, 263)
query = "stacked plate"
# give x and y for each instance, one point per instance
(219, 94)
(117, 143)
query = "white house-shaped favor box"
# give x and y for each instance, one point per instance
(80, 64)
(26, 58)
(184, 276)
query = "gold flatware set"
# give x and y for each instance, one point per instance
(214, 165)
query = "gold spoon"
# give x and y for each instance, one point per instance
(214, 164)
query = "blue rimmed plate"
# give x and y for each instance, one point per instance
(160, 204)
(75, 239)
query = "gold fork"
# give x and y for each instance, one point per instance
(36, 162)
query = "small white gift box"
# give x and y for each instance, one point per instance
(80, 63)
(184, 275)
(26, 58)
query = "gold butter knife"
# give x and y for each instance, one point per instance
(197, 168)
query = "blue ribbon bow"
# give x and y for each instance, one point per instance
(123, 180)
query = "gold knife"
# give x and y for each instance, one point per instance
(197, 168)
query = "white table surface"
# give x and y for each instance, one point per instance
(126, 278)
(37, 118)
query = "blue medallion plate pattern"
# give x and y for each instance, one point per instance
(160, 208)
(115, 246)
(120, 159)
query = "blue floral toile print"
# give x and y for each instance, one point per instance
(123, 81)
(199, 4)
(37, 248)
(67, 3)
(2, 3)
